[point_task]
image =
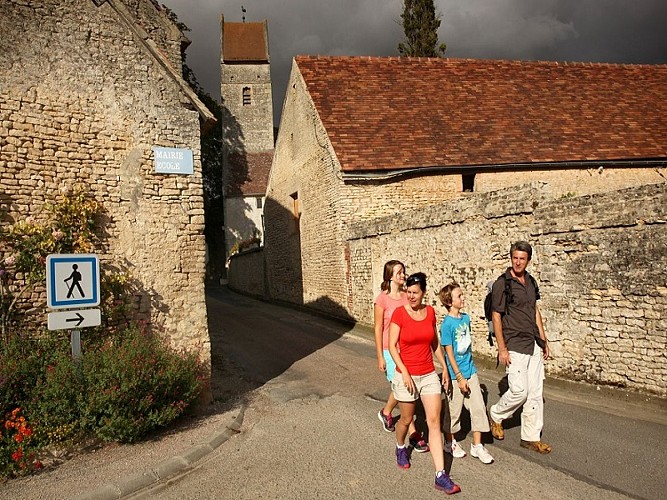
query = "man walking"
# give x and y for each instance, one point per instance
(522, 348)
(76, 282)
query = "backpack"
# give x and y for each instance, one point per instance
(488, 312)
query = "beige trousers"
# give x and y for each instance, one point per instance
(474, 403)
(525, 376)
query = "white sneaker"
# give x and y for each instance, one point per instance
(455, 449)
(478, 451)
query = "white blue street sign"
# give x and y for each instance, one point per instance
(173, 160)
(72, 280)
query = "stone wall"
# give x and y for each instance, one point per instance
(246, 272)
(373, 198)
(82, 102)
(574, 181)
(159, 28)
(600, 260)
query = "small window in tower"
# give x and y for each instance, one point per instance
(258, 202)
(296, 207)
(247, 96)
(468, 182)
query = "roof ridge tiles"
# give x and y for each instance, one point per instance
(476, 61)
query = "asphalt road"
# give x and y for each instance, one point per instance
(311, 429)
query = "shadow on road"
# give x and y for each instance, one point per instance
(253, 341)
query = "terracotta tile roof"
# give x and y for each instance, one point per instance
(245, 42)
(394, 113)
(249, 174)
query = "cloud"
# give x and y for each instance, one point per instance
(504, 29)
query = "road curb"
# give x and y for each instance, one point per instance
(170, 467)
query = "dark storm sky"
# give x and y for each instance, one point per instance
(615, 31)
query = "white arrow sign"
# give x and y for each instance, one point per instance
(70, 320)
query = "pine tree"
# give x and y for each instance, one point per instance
(420, 25)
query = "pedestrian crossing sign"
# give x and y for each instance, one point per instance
(72, 280)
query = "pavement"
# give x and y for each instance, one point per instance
(121, 471)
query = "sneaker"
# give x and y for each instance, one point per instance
(479, 451)
(387, 421)
(402, 458)
(418, 444)
(444, 483)
(455, 449)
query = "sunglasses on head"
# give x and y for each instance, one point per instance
(413, 280)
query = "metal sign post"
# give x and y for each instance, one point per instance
(75, 339)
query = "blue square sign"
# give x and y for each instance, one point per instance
(72, 280)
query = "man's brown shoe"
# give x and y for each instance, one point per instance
(537, 446)
(497, 430)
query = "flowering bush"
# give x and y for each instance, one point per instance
(137, 384)
(17, 453)
(124, 387)
(39, 376)
(69, 226)
(241, 245)
(56, 400)
(23, 364)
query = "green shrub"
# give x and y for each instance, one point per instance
(57, 401)
(23, 364)
(135, 385)
(120, 390)
(39, 376)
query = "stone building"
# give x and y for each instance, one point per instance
(247, 129)
(88, 89)
(427, 161)
(362, 138)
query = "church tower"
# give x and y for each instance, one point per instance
(247, 130)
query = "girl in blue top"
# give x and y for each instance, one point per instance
(456, 338)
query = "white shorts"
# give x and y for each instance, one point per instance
(424, 384)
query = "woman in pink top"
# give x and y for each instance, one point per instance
(412, 343)
(391, 297)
